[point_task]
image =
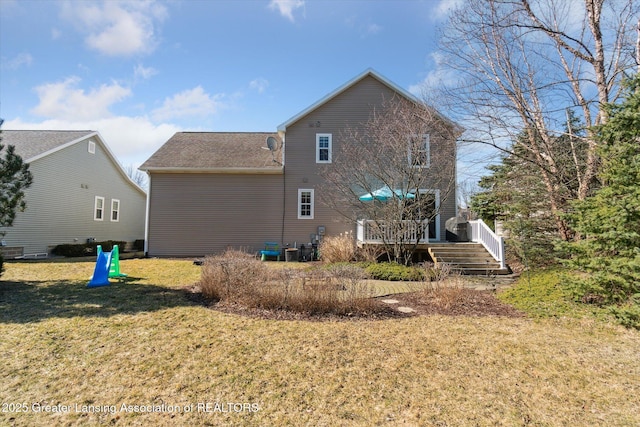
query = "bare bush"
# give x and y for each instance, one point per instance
(340, 248)
(238, 278)
(351, 278)
(444, 287)
(231, 275)
(370, 253)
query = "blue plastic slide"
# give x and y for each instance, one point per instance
(101, 272)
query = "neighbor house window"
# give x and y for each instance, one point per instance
(305, 204)
(98, 212)
(323, 148)
(419, 151)
(115, 210)
(92, 147)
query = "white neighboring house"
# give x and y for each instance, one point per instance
(79, 192)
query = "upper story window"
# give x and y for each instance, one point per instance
(91, 147)
(419, 151)
(98, 211)
(115, 210)
(305, 203)
(323, 148)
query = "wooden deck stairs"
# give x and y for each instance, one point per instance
(467, 258)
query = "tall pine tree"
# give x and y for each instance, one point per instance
(14, 179)
(608, 223)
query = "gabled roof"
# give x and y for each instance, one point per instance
(369, 72)
(34, 144)
(217, 152)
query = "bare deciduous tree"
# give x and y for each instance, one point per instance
(523, 63)
(136, 175)
(404, 157)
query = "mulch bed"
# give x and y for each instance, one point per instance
(466, 302)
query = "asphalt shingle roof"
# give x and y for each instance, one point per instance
(216, 150)
(32, 143)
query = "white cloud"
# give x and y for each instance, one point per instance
(365, 29)
(140, 71)
(131, 139)
(439, 76)
(445, 7)
(260, 84)
(117, 28)
(286, 7)
(64, 100)
(191, 102)
(22, 59)
(372, 29)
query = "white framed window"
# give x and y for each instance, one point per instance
(115, 210)
(305, 203)
(323, 147)
(91, 147)
(98, 211)
(419, 151)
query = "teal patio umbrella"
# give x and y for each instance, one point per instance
(385, 193)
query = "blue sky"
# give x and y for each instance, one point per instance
(140, 71)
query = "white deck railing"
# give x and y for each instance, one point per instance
(481, 233)
(370, 231)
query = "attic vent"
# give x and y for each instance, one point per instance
(92, 147)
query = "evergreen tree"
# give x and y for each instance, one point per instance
(515, 193)
(608, 223)
(14, 179)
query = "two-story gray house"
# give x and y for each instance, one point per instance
(210, 191)
(79, 192)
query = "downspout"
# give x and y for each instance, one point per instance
(146, 222)
(284, 192)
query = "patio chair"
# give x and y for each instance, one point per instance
(271, 249)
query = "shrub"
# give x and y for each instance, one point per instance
(394, 272)
(370, 253)
(234, 275)
(628, 315)
(546, 293)
(239, 278)
(444, 288)
(138, 245)
(87, 249)
(69, 250)
(340, 248)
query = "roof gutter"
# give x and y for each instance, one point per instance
(228, 171)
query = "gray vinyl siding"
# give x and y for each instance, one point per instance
(353, 106)
(193, 215)
(60, 202)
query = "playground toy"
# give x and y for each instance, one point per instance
(107, 266)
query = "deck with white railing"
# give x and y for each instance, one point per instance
(494, 244)
(411, 232)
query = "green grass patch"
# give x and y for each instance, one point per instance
(544, 293)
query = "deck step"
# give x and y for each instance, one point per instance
(467, 258)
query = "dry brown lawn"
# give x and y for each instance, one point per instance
(92, 355)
